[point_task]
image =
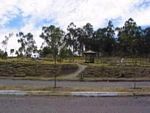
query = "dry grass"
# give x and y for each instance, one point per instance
(73, 89)
(32, 68)
(93, 71)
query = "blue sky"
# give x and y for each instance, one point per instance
(16, 22)
(31, 15)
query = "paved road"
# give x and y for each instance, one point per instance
(74, 104)
(38, 83)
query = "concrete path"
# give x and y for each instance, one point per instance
(12, 92)
(81, 68)
(39, 83)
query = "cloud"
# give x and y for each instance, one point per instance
(62, 12)
(140, 12)
(31, 15)
(7, 11)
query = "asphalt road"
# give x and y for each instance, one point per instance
(38, 83)
(30, 104)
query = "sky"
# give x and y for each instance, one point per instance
(31, 15)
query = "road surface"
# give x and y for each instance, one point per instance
(37, 104)
(38, 83)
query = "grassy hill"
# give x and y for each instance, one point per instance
(96, 71)
(34, 68)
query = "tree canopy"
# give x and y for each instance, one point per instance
(128, 40)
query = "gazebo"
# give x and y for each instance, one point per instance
(89, 56)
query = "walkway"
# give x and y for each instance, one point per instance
(74, 75)
(40, 83)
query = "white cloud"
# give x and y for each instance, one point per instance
(8, 10)
(12, 43)
(62, 12)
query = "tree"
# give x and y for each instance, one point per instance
(145, 43)
(65, 53)
(128, 37)
(71, 38)
(99, 42)
(5, 42)
(88, 35)
(12, 51)
(3, 54)
(53, 37)
(109, 41)
(27, 44)
(104, 41)
(80, 40)
(46, 51)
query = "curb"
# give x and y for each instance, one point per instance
(73, 94)
(100, 94)
(90, 94)
(13, 92)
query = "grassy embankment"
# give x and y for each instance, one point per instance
(16, 67)
(136, 68)
(103, 68)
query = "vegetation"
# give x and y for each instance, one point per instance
(27, 45)
(116, 72)
(112, 67)
(31, 68)
(130, 40)
(53, 37)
